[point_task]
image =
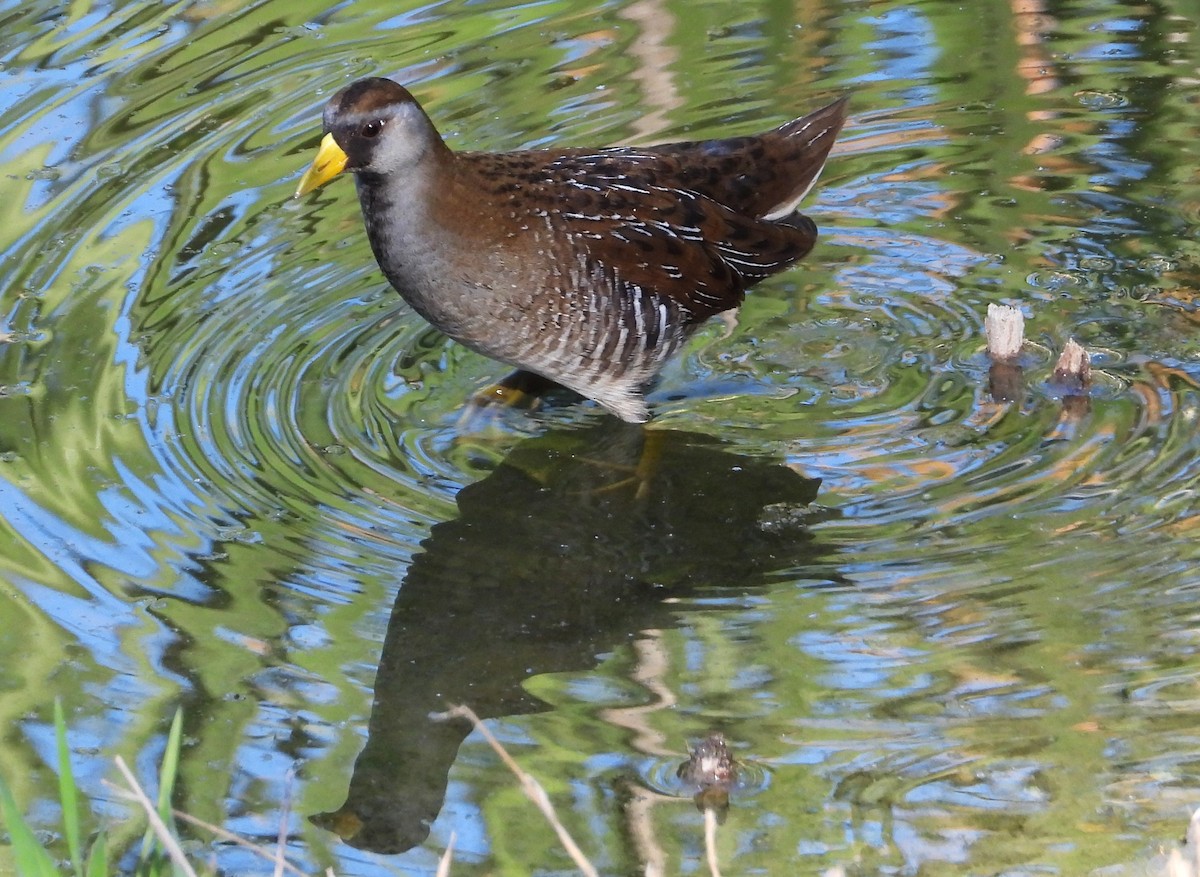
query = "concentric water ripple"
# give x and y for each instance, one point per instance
(230, 453)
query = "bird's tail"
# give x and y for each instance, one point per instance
(800, 149)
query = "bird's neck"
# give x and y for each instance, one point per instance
(395, 212)
(427, 233)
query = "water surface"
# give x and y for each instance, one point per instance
(948, 633)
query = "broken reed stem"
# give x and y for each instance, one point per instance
(531, 787)
(443, 869)
(168, 841)
(1074, 367)
(1004, 329)
(710, 841)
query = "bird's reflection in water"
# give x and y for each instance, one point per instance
(565, 551)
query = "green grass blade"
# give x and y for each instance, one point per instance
(170, 768)
(97, 865)
(31, 859)
(166, 787)
(68, 792)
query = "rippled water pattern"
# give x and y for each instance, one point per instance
(945, 633)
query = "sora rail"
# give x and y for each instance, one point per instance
(588, 267)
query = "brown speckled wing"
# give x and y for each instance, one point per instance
(625, 209)
(684, 246)
(761, 175)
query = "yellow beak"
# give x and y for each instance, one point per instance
(330, 162)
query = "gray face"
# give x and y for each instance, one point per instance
(379, 126)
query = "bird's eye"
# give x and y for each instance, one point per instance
(372, 128)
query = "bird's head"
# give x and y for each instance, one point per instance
(372, 126)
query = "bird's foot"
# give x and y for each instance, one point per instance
(520, 390)
(642, 473)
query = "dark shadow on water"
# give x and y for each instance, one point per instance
(565, 551)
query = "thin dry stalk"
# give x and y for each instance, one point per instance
(710, 841)
(639, 823)
(285, 807)
(160, 829)
(232, 838)
(531, 787)
(444, 863)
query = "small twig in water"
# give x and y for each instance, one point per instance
(531, 787)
